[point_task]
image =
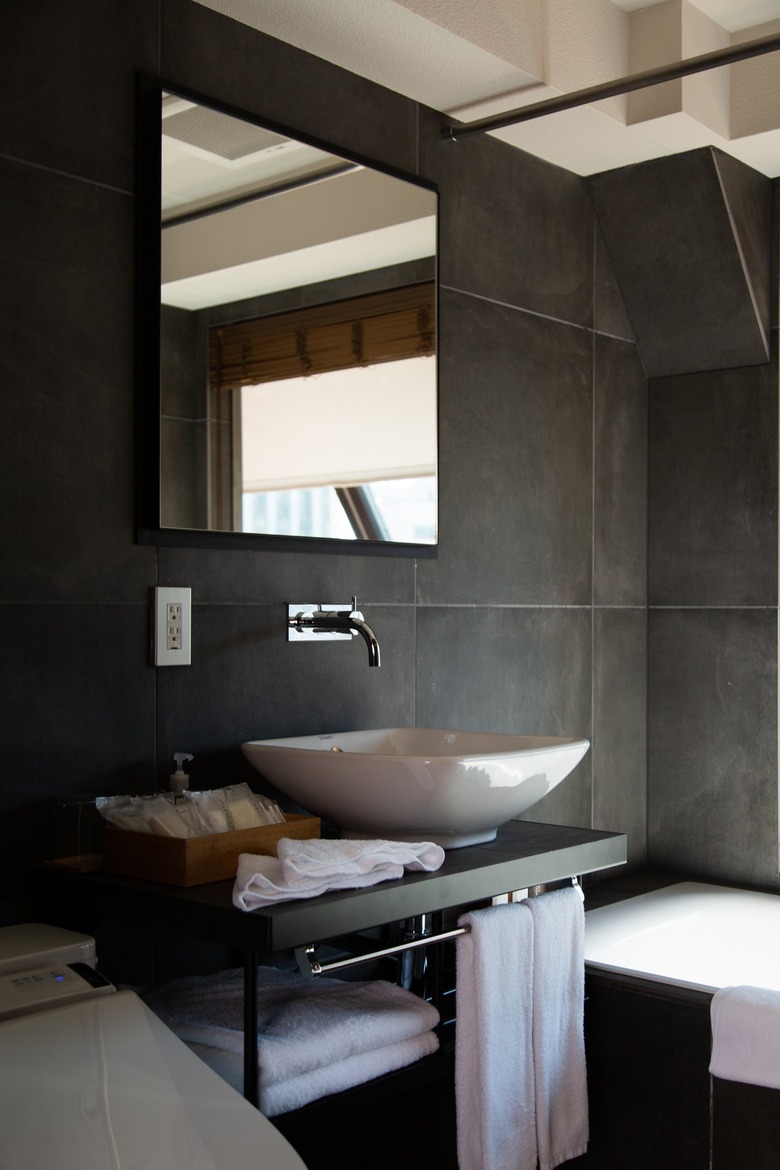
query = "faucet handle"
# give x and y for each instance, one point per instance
(355, 613)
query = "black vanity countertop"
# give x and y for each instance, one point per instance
(523, 854)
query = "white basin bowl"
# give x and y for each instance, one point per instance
(416, 783)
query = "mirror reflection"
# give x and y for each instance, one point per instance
(298, 337)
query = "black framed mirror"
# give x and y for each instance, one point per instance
(287, 350)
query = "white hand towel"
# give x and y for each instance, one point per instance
(746, 1035)
(317, 859)
(494, 1076)
(260, 881)
(558, 1040)
(305, 869)
(303, 1024)
(293, 1093)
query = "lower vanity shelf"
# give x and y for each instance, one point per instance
(353, 1129)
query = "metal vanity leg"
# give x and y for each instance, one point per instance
(434, 987)
(250, 1027)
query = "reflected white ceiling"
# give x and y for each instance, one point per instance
(248, 212)
(477, 58)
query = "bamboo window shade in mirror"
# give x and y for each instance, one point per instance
(361, 331)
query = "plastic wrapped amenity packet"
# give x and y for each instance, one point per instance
(146, 814)
(221, 810)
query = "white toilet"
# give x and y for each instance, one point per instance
(91, 1079)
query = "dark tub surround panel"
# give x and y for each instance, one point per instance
(653, 1104)
(648, 1084)
(689, 238)
(745, 1126)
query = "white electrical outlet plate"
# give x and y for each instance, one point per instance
(172, 626)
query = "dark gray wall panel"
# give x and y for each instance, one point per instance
(495, 194)
(775, 250)
(69, 84)
(78, 717)
(681, 266)
(609, 310)
(66, 366)
(713, 488)
(712, 733)
(619, 747)
(237, 577)
(515, 459)
(620, 481)
(748, 196)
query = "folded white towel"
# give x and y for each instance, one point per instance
(317, 859)
(558, 1039)
(299, 1090)
(303, 1024)
(494, 1078)
(746, 1035)
(305, 869)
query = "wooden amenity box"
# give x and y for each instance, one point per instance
(193, 861)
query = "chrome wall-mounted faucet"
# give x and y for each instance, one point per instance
(331, 623)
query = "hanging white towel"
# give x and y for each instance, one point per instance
(305, 869)
(746, 1035)
(558, 1039)
(494, 1076)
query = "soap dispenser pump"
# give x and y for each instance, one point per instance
(179, 779)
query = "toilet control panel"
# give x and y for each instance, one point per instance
(44, 987)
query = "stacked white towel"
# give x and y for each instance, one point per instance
(746, 1035)
(305, 869)
(521, 1086)
(315, 1037)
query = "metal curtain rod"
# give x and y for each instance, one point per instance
(620, 85)
(265, 193)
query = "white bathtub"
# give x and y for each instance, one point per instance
(691, 935)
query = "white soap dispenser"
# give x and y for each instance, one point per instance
(179, 779)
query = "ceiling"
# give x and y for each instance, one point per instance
(247, 212)
(479, 58)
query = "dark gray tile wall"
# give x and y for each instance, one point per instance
(713, 488)
(713, 589)
(688, 237)
(713, 741)
(531, 617)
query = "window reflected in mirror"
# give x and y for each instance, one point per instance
(298, 337)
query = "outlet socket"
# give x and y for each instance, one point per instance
(172, 624)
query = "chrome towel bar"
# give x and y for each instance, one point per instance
(308, 965)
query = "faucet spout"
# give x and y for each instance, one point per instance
(339, 621)
(355, 623)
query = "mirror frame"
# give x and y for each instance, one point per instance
(148, 348)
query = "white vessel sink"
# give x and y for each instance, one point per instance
(416, 783)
